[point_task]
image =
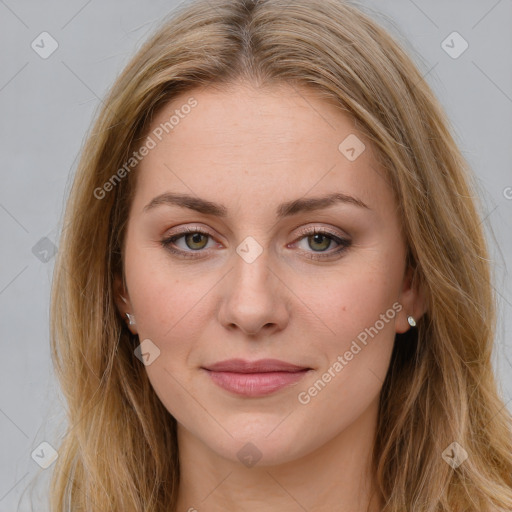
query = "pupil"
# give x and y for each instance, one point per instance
(319, 238)
(194, 238)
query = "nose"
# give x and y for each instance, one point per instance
(254, 298)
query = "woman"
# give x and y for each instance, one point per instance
(273, 289)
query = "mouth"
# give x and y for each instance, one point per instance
(255, 378)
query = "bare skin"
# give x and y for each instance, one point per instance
(250, 150)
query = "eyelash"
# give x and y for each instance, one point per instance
(344, 243)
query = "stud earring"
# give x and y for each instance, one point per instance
(411, 321)
(131, 319)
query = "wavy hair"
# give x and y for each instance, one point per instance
(120, 452)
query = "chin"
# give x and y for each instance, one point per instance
(263, 446)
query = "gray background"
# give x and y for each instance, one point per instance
(47, 106)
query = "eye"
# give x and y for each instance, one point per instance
(195, 239)
(319, 240)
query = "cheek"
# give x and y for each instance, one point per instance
(358, 306)
(169, 311)
(360, 312)
(167, 306)
(352, 299)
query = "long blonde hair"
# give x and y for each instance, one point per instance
(120, 451)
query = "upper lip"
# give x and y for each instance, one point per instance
(259, 366)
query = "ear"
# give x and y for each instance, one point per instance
(122, 301)
(413, 300)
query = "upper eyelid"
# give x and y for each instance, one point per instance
(302, 233)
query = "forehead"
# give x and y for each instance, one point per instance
(242, 119)
(240, 141)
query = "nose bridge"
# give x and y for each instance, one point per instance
(251, 273)
(252, 298)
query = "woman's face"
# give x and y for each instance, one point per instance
(256, 172)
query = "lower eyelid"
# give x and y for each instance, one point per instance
(342, 246)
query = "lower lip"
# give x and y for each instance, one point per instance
(255, 384)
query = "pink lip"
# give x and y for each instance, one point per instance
(255, 378)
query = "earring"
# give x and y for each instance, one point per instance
(411, 321)
(131, 319)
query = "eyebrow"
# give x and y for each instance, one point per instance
(283, 210)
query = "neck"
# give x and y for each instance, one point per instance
(335, 476)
